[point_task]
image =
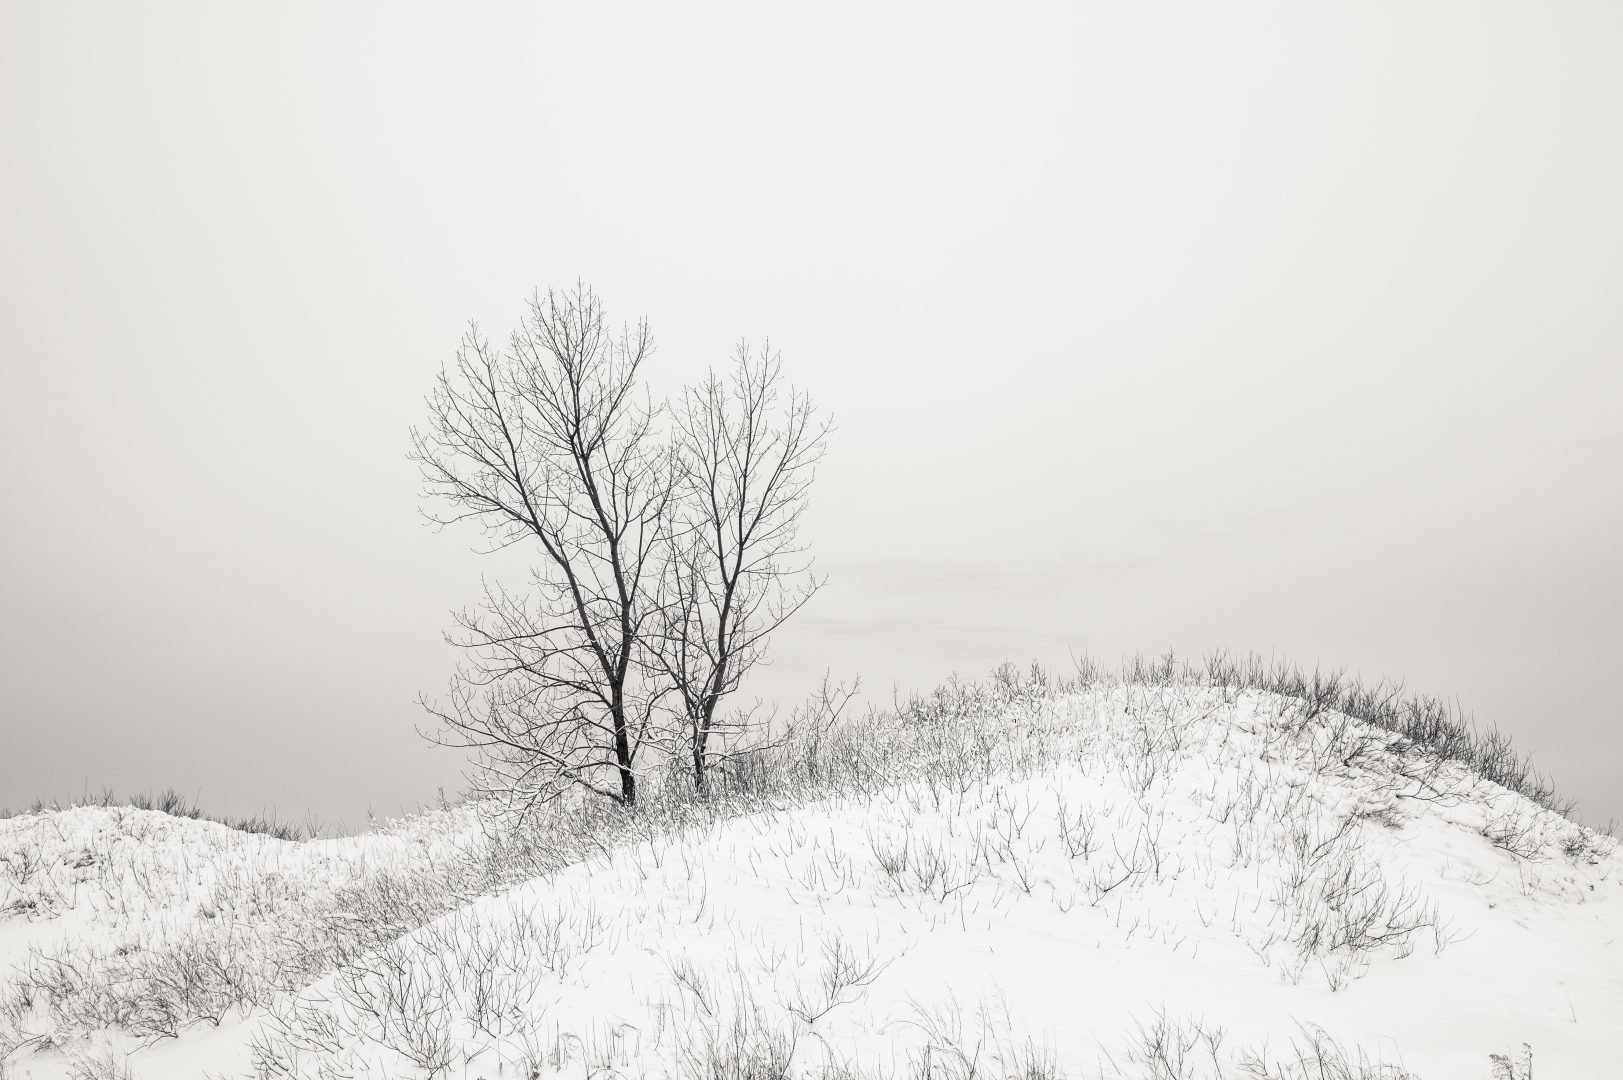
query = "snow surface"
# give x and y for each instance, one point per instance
(1221, 871)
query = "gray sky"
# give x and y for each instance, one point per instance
(1290, 328)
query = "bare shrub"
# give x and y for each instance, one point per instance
(1513, 1066)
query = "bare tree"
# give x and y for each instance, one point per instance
(549, 443)
(746, 451)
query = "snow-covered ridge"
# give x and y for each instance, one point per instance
(1167, 882)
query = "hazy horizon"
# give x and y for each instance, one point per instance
(1260, 328)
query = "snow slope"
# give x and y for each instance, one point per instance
(1164, 882)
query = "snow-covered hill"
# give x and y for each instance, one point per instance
(1168, 882)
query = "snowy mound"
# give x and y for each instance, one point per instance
(1169, 883)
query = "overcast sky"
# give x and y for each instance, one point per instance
(1292, 328)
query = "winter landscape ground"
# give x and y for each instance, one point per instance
(1224, 870)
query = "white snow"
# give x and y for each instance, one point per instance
(1103, 868)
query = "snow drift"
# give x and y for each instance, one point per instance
(1171, 881)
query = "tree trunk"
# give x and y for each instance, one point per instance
(622, 757)
(701, 778)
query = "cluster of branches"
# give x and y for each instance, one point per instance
(664, 541)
